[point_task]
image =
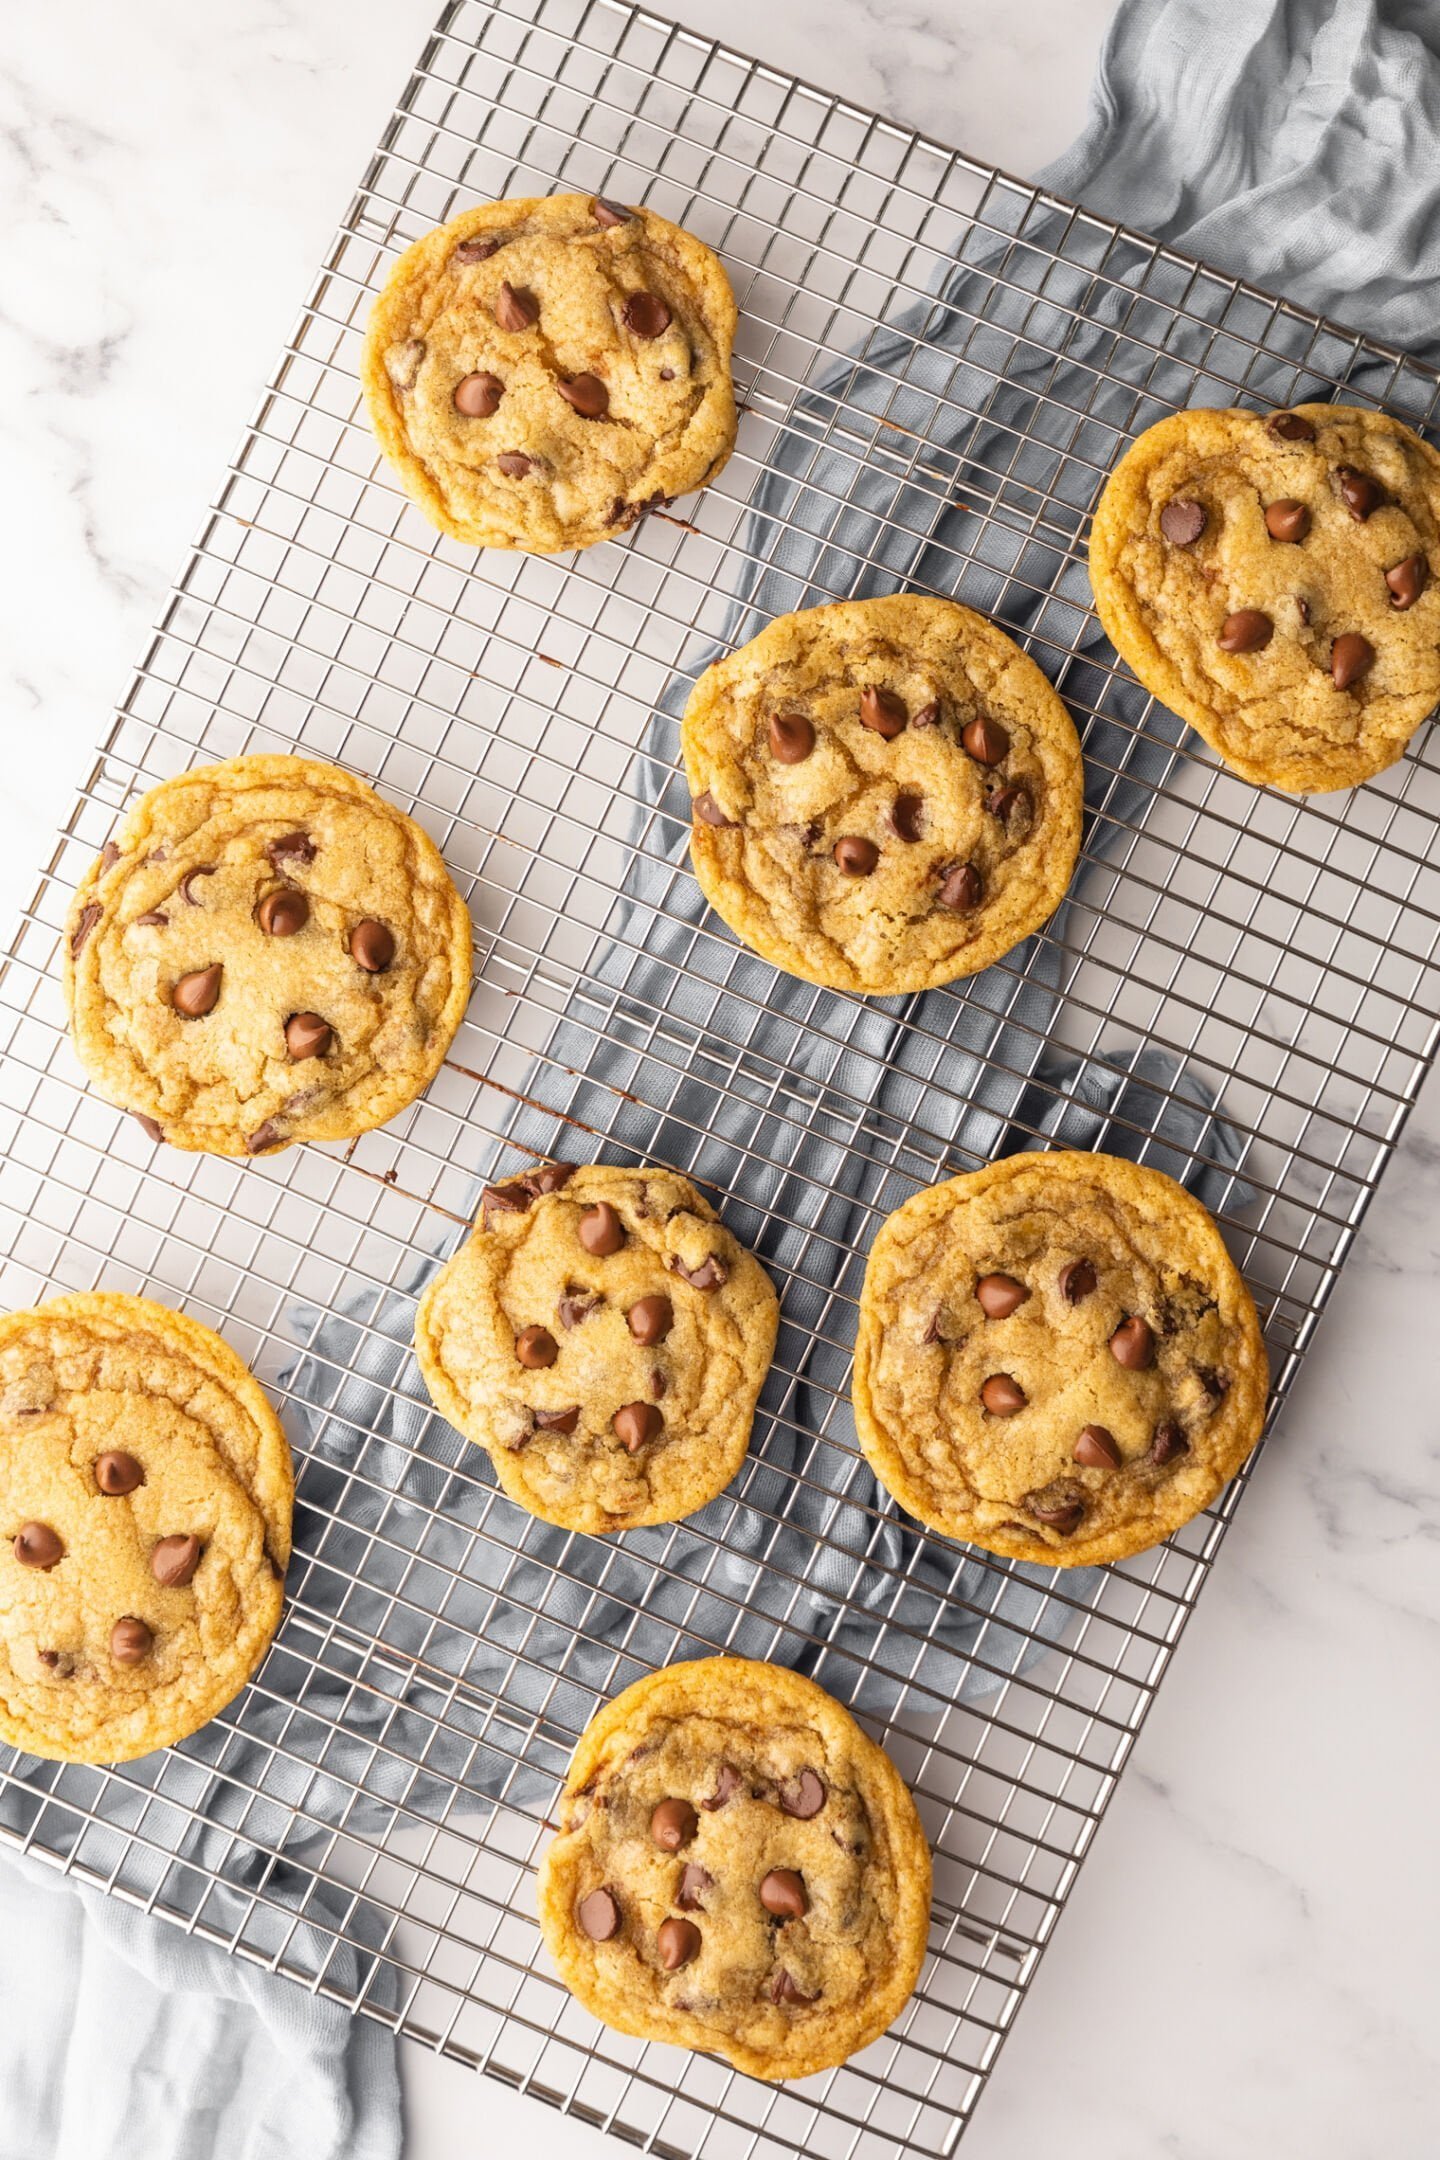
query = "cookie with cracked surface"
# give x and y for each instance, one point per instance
(1057, 1359)
(604, 1337)
(145, 1502)
(1272, 579)
(738, 1868)
(540, 373)
(266, 952)
(887, 793)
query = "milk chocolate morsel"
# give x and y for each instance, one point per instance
(282, 913)
(1351, 658)
(478, 250)
(513, 463)
(1246, 631)
(709, 812)
(117, 1473)
(561, 1421)
(906, 816)
(1133, 1344)
(882, 711)
(1290, 427)
(268, 1135)
(536, 1348)
(150, 1126)
(174, 1561)
(599, 1915)
(650, 1319)
(672, 1824)
(928, 715)
(307, 1035)
(295, 847)
(855, 855)
(1167, 1442)
(985, 739)
(1182, 521)
(1287, 520)
(187, 883)
(514, 310)
(601, 1231)
(678, 1942)
(1002, 1396)
(782, 1892)
(803, 1797)
(1076, 1280)
(402, 362)
(727, 1783)
(1004, 803)
(477, 396)
(89, 916)
(782, 1989)
(1407, 581)
(961, 888)
(372, 946)
(1361, 494)
(1096, 1448)
(1057, 1513)
(694, 1882)
(634, 1423)
(1000, 1295)
(792, 737)
(576, 1306)
(609, 213)
(37, 1545)
(587, 395)
(712, 1273)
(130, 1641)
(646, 315)
(194, 995)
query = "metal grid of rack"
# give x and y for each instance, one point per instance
(367, 1817)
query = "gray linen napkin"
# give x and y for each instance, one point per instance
(1297, 144)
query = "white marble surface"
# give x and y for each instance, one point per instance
(1247, 1965)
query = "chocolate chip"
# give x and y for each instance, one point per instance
(1290, 427)
(109, 855)
(906, 814)
(577, 1305)
(985, 739)
(712, 1273)
(546, 1177)
(694, 1882)
(792, 737)
(650, 1319)
(727, 1783)
(1247, 630)
(667, 374)
(1096, 1448)
(117, 1473)
(561, 1421)
(634, 1423)
(1287, 519)
(678, 1942)
(882, 712)
(51, 1659)
(1133, 1344)
(512, 1199)
(601, 1231)
(291, 847)
(646, 315)
(587, 394)
(1000, 1295)
(803, 1797)
(514, 464)
(928, 715)
(187, 883)
(1063, 1512)
(37, 1545)
(282, 913)
(1076, 1280)
(153, 919)
(515, 311)
(1182, 521)
(130, 1641)
(672, 1824)
(609, 213)
(657, 1382)
(264, 1136)
(960, 887)
(709, 812)
(599, 1915)
(1361, 494)
(85, 923)
(174, 1561)
(307, 1035)
(372, 945)
(854, 855)
(1213, 1383)
(1407, 581)
(1351, 659)
(1008, 802)
(782, 1989)
(194, 995)
(536, 1348)
(1167, 1442)
(782, 1892)
(149, 1126)
(477, 396)
(477, 250)
(402, 362)
(1002, 1396)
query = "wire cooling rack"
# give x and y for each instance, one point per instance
(367, 1817)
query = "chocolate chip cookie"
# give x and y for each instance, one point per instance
(604, 1337)
(541, 373)
(737, 1868)
(145, 1494)
(1057, 1359)
(886, 793)
(266, 952)
(1272, 579)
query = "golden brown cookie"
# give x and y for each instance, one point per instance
(738, 1868)
(266, 952)
(145, 1499)
(887, 793)
(604, 1337)
(1057, 1359)
(1272, 580)
(541, 373)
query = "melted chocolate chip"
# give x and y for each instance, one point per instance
(264, 1136)
(599, 1915)
(130, 1641)
(1182, 521)
(1133, 1344)
(960, 887)
(1361, 494)
(906, 817)
(727, 1783)
(372, 946)
(646, 315)
(152, 919)
(85, 923)
(1000, 1295)
(709, 812)
(514, 464)
(577, 1305)
(782, 1893)
(677, 1942)
(477, 396)
(803, 1797)
(1008, 802)
(712, 1273)
(173, 1561)
(609, 213)
(600, 1230)
(1167, 1442)
(296, 847)
(561, 1421)
(1290, 427)
(307, 1036)
(586, 395)
(479, 249)
(783, 1989)
(985, 739)
(151, 1128)
(1059, 1511)
(1407, 580)
(854, 855)
(928, 715)
(187, 883)
(1096, 1448)
(515, 311)
(1076, 1281)
(694, 1882)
